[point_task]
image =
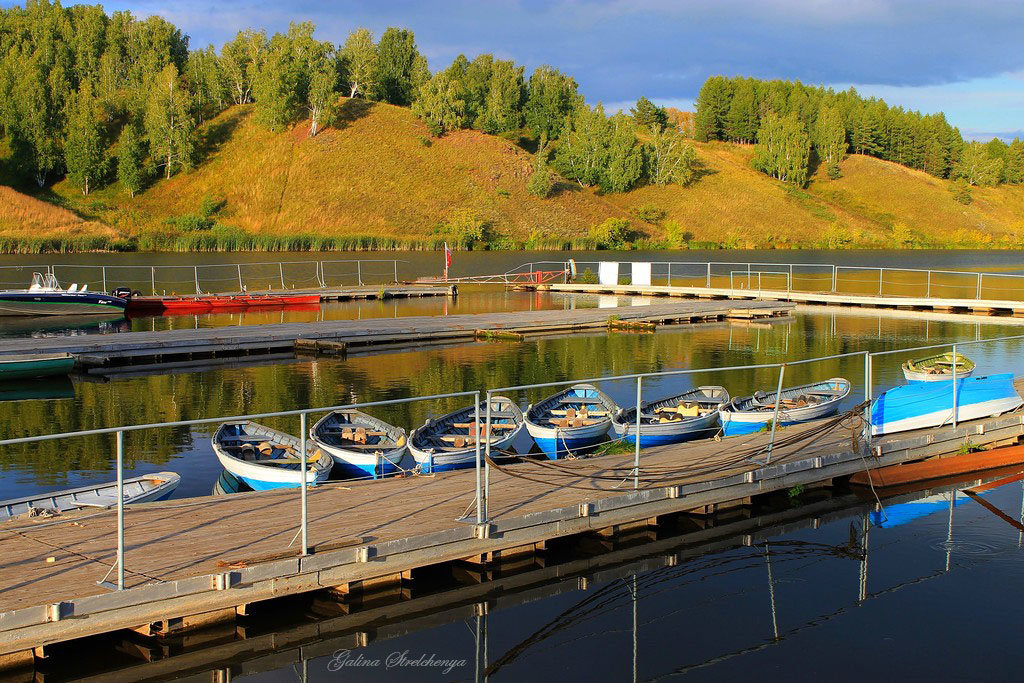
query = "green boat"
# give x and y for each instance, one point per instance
(938, 368)
(27, 366)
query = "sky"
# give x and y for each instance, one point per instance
(963, 58)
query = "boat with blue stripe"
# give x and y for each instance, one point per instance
(571, 420)
(360, 445)
(690, 415)
(46, 297)
(449, 442)
(751, 414)
(265, 458)
(919, 405)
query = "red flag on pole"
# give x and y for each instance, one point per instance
(447, 260)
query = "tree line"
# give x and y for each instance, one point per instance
(794, 125)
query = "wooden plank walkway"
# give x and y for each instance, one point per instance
(148, 347)
(195, 555)
(968, 306)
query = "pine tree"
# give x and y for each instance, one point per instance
(169, 125)
(830, 139)
(131, 154)
(84, 151)
(741, 121)
(713, 102)
(1014, 171)
(867, 131)
(648, 115)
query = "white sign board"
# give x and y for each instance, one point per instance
(641, 274)
(608, 272)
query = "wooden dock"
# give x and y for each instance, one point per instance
(169, 348)
(196, 561)
(984, 307)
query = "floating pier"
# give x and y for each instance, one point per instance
(195, 562)
(171, 348)
(984, 307)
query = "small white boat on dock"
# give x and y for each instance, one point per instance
(751, 414)
(142, 489)
(265, 458)
(572, 419)
(690, 415)
(449, 442)
(937, 368)
(360, 444)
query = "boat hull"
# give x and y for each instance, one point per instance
(430, 457)
(912, 376)
(445, 461)
(29, 366)
(264, 477)
(144, 489)
(734, 423)
(751, 414)
(557, 442)
(661, 434)
(59, 303)
(924, 405)
(356, 464)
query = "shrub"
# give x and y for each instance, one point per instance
(836, 237)
(211, 206)
(677, 236)
(961, 191)
(614, 233)
(424, 140)
(649, 213)
(587, 277)
(465, 228)
(903, 236)
(540, 183)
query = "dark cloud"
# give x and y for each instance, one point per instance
(663, 48)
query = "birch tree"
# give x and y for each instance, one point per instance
(241, 59)
(83, 151)
(360, 57)
(322, 94)
(671, 158)
(783, 148)
(169, 125)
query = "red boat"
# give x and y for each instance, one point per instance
(209, 302)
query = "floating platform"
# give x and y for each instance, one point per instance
(981, 307)
(196, 560)
(171, 348)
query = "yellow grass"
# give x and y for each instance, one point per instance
(24, 216)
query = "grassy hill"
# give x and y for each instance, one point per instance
(376, 179)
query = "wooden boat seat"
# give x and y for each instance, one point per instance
(584, 412)
(567, 422)
(471, 425)
(98, 501)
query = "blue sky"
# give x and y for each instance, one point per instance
(964, 58)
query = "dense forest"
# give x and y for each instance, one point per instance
(101, 100)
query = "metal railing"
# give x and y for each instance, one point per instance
(483, 453)
(822, 278)
(213, 277)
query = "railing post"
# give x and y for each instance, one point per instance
(789, 283)
(195, 270)
(867, 394)
(120, 510)
(323, 275)
(928, 292)
(709, 275)
(487, 463)
(280, 270)
(979, 289)
(835, 273)
(954, 387)
(636, 450)
(396, 271)
(304, 470)
(669, 273)
(152, 278)
(748, 276)
(241, 287)
(880, 282)
(476, 423)
(775, 416)
(359, 272)
(103, 269)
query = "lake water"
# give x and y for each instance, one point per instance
(793, 603)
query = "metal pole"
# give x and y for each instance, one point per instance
(196, 272)
(879, 282)
(152, 278)
(949, 530)
(979, 286)
(669, 273)
(359, 272)
(709, 275)
(280, 270)
(865, 526)
(323, 275)
(487, 464)
(789, 284)
(867, 395)
(775, 417)
(954, 386)
(636, 450)
(396, 271)
(241, 287)
(928, 293)
(304, 468)
(476, 423)
(771, 589)
(104, 270)
(120, 510)
(835, 270)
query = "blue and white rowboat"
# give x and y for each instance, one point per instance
(360, 444)
(751, 414)
(265, 458)
(919, 405)
(570, 420)
(148, 487)
(690, 415)
(449, 442)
